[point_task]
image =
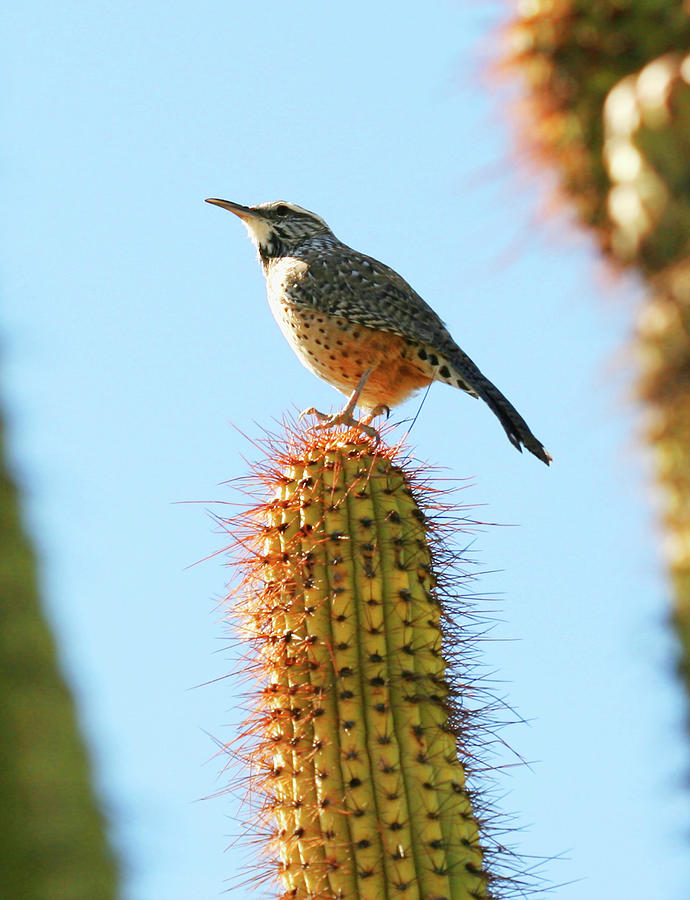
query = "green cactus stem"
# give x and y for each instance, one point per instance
(359, 743)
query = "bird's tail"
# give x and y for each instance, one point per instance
(513, 424)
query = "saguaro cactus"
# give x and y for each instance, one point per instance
(647, 121)
(607, 108)
(359, 741)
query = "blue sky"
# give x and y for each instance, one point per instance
(136, 334)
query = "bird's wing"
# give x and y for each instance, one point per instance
(367, 292)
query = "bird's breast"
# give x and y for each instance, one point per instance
(337, 349)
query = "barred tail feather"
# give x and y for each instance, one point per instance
(513, 424)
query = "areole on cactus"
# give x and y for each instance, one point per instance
(360, 738)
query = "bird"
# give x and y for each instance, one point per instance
(357, 324)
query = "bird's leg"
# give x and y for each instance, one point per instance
(345, 416)
(346, 412)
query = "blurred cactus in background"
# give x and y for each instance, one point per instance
(361, 738)
(54, 842)
(607, 109)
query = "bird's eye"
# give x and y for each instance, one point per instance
(282, 210)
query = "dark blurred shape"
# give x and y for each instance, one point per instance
(53, 840)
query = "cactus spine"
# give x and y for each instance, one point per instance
(356, 731)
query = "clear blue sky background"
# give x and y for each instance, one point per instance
(135, 329)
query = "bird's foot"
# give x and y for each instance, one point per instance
(345, 417)
(380, 410)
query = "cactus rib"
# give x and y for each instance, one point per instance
(363, 767)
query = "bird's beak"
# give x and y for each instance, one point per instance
(244, 212)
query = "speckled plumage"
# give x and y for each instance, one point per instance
(344, 313)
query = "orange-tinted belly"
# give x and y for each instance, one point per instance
(340, 352)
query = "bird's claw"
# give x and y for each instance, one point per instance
(346, 418)
(380, 410)
(312, 411)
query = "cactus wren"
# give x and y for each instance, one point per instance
(357, 324)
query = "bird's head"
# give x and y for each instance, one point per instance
(277, 228)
